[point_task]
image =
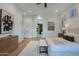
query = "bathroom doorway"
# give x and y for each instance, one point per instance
(39, 29)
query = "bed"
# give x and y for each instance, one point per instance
(73, 37)
(62, 47)
(73, 32)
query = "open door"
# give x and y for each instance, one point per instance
(39, 29)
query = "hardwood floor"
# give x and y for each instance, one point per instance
(21, 46)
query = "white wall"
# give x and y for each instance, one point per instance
(32, 23)
(73, 21)
(17, 18)
(55, 19)
(27, 27)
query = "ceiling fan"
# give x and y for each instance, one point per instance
(45, 4)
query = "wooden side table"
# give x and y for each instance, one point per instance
(60, 34)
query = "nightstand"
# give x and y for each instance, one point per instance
(60, 34)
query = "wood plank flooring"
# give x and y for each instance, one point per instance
(21, 46)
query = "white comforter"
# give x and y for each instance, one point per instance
(59, 46)
(76, 36)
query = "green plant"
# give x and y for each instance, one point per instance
(39, 28)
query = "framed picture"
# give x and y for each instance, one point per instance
(51, 26)
(6, 22)
(74, 12)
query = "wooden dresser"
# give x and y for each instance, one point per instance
(8, 44)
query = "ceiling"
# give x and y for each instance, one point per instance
(52, 8)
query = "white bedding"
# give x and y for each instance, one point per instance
(59, 46)
(76, 36)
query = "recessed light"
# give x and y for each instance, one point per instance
(39, 17)
(25, 13)
(56, 11)
(30, 11)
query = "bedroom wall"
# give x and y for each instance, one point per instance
(31, 21)
(27, 27)
(73, 21)
(17, 30)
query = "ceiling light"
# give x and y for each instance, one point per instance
(25, 13)
(38, 17)
(56, 11)
(30, 11)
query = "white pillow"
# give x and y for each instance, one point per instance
(69, 34)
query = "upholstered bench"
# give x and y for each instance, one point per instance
(43, 47)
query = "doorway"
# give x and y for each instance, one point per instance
(39, 29)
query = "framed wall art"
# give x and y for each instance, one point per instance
(74, 12)
(6, 22)
(51, 26)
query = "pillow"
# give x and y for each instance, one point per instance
(69, 34)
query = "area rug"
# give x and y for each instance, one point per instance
(32, 49)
